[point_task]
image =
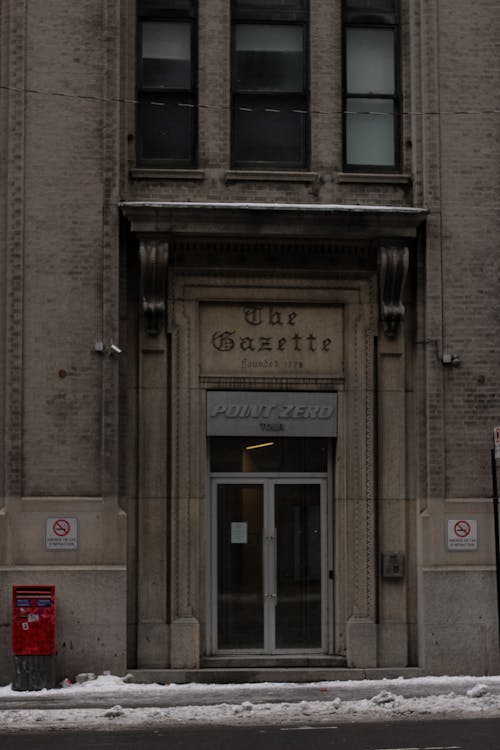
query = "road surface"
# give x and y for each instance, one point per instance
(425, 734)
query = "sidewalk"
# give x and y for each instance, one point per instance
(107, 690)
(110, 702)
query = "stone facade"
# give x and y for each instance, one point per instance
(401, 267)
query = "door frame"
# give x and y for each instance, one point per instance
(269, 481)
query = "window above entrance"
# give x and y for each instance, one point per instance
(167, 83)
(372, 85)
(269, 84)
(272, 454)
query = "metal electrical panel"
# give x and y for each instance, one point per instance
(393, 565)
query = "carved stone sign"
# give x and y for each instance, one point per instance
(271, 339)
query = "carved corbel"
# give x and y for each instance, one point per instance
(154, 262)
(392, 272)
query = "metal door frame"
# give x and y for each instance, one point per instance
(269, 481)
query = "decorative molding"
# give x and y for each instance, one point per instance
(393, 263)
(148, 173)
(15, 77)
(370, 490)
(110, 322)
(154, 263)
(375, 178)
(356, 521)
(235, 175)
(186, 506)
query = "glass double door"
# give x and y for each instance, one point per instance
(270, 564)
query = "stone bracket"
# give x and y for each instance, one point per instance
(154, 263)
(393, 264)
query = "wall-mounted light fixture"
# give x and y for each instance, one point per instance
(101, 348)
(448, 360)
(451, 360)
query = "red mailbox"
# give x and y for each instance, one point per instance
(33, 620)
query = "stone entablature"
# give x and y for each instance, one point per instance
(385, 229)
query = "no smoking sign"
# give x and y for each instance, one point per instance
(61, 533)
(462, 534)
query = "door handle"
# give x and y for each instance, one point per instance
(270, 577)
(275, 566)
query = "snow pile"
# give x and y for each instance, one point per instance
(478, 691)
(424, 697)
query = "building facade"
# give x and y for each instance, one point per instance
(249, 360)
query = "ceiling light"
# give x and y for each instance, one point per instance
(260, 445)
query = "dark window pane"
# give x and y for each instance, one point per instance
(166, 130)
(240, 602)
(371, 5)
(269, 57)
(235, 454)
(166, 55)
(374, 11)
(298, 603)
(164, 7)
(370, 132)
(271, 133)
(283, 9)
(264, 4)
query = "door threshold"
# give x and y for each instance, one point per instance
(272, 661)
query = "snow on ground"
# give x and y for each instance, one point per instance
(467, 696)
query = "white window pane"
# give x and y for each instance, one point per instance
(370, 132)
(370, 61)
(166, 54)
(167, 41)
(258, 37)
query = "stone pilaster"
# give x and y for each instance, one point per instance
(153, 636)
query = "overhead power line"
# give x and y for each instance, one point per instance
(270, 110)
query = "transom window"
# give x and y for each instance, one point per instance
(371, 85)
(256, 454)
(269, 81)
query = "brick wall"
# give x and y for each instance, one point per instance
(469, 161)
(64, 156)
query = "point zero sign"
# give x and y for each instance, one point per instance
(61, 533)
(462, 534)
